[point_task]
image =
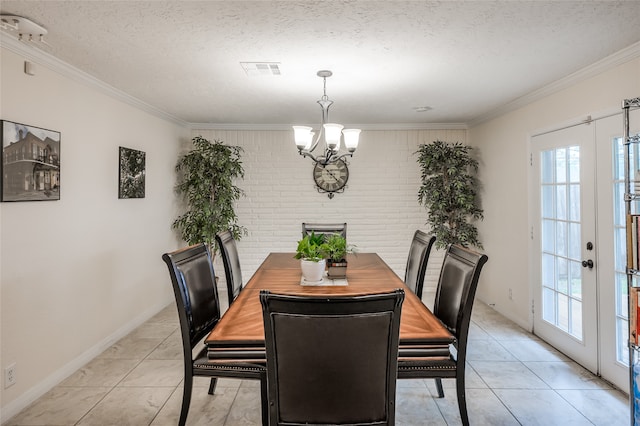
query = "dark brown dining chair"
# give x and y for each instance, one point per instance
(332, 360)
(453, 304)
(417, 261)
(231, 263)
(193, 280)
(324, 228)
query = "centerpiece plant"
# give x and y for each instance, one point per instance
(312, 248)
(337, 249)
(312, 252)
(316, 251)
(206, 180)
(448, 191)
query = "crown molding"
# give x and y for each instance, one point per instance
(621, 57)
(43, 58)
(377, 126)
(34, 54)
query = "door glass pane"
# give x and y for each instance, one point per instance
(576, 315)
(548, 271)
(575, 272)
(574, 241)
(620, 248)
(561, 243)
(561, 238)
(618, 208)
(561, 202)
(621, 288)
(561, 165)
(574, 202)
(547, 201)
(548, 235)
(563, 276)
(547, 171)
(562, 321)
(548, 305)
(574, 164)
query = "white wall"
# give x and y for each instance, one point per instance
(504, 148)
(379, 205)
(78, 273)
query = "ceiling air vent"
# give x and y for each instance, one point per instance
(255, 69)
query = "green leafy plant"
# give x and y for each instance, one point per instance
(206, 176)
(337, 247)
(312, 247)
(448, 192)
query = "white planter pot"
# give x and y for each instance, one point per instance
(312, 271)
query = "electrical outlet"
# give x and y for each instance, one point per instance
(10, 375)
(510, 294)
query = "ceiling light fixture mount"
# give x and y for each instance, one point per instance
(333, 133)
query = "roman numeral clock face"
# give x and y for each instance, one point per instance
(331, 178)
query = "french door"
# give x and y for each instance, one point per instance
(613, 295)
(565, 249)
(577, 217)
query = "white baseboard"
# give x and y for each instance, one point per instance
(48, 383)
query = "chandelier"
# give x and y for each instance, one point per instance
(333, 133)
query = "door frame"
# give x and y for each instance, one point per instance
(604, 216)
(591, 339)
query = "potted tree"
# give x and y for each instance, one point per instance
(312, 251)
(206, 176)
(336, 250)
(448, 192)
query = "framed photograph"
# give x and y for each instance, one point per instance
(30, 163)
(131, 175)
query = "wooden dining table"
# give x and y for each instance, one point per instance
(239, 336)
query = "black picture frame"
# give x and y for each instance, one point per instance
(131, 173)
(30, 169)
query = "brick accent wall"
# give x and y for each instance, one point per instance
(379, 204)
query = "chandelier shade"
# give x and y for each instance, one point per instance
(351, 137)
(303, 136)
(333, 134)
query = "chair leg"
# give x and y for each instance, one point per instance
(264, 401)
(186, 399)
(212, 385)
(462, 400)
(439, 388)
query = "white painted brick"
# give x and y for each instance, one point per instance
(380, 203)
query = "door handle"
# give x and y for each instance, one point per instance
(587, 263)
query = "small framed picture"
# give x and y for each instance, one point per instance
(131, 176)
(30, 163)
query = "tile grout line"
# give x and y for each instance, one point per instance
(125, 376)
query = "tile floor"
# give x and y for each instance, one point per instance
(513, 378)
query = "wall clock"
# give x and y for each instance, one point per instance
(331, 178)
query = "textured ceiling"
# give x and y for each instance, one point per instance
(462, 59)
